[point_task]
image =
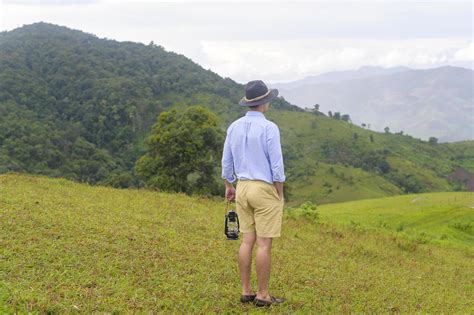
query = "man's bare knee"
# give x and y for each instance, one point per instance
(249, 238)
(264, 242)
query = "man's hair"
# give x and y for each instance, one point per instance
(255, 107)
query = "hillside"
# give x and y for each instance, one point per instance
(434, 102)
(441, 218)
(76, 106)
(68, 247)
(79, 106)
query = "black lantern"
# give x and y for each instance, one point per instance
(231, 228)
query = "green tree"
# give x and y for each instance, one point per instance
(346, 117)
(183, 150)
(315, 109)
(433, 140)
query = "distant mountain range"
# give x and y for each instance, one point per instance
(337, 76)
(435, 102)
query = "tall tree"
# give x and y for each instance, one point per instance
(183, 150)
(433, 140)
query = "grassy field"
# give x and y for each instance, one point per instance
(67, 247)
(443, 218)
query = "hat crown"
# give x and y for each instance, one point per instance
(255, 89)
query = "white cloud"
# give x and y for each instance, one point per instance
(278, 42)
(466, 53)
(295, 59)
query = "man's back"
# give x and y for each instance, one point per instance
(252, 148)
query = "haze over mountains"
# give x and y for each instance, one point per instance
(423, 103)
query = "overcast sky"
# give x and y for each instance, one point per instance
(276, 41)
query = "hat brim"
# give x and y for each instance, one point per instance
(266, 99)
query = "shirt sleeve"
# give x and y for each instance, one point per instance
(228, 161)
(275, 154)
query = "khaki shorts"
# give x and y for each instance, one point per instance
(259, 208)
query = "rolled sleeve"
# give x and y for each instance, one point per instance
(228, 162)
(275, 154)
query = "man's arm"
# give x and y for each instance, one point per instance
(229, 190)
(276, 159)
(279, 187)
(228, 170)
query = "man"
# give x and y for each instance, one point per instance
(252, 149)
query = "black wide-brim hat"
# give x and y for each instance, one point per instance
(257, 93)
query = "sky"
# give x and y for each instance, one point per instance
(276, 41)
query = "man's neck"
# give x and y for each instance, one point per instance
(255, 110)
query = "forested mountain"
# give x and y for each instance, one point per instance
(77, 106)
(435, 102)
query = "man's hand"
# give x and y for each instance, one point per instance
(229, 191)
(279, 188)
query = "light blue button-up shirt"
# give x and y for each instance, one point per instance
(252, 149)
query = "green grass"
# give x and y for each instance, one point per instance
(342, 183)
(67, 247)
(445, 218)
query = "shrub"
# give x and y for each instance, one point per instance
(464, 227)
(307, 211)
(400, 227)
(421, 238)
(406, 244)
(354, 225)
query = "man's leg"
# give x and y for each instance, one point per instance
(245, 261)
(264, 247)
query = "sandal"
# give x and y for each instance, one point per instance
(273, 300)
(247, 298)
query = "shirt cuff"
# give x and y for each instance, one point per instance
(230, 179)
(279, 179)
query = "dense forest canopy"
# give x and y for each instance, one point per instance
(75, 105)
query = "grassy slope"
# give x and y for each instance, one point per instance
(68, 247)
(464, 153)
(445, 218)
(303, 134)
(307, 132)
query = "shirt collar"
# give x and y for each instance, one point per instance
(254, 113)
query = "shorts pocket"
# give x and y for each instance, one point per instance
(275, 192)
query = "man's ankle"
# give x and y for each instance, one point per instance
(263, 296)
(247, 292)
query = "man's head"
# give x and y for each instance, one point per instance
(258, 96)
